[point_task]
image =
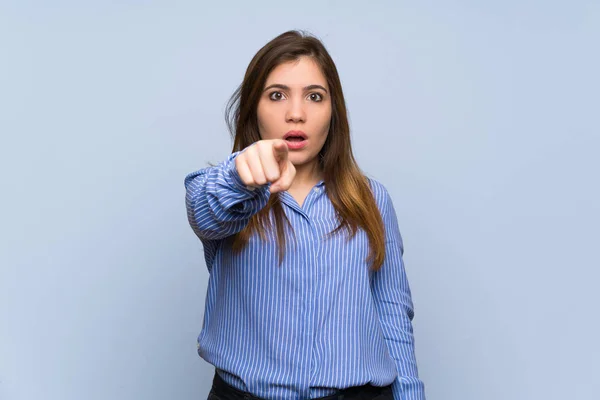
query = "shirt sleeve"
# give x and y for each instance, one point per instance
(393, 302)
(217, 201)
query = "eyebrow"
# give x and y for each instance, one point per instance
(285, 87)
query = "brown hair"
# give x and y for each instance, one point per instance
(347, 187)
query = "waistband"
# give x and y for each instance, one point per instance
(227, 392)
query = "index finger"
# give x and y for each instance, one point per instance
(280, 149)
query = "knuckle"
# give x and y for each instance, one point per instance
(273, 177)
(252, 149)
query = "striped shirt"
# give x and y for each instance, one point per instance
(319, 322)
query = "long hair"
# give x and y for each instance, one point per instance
(347, 187)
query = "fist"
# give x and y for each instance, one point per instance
(266, 161)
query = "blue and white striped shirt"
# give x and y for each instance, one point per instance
(319, 322)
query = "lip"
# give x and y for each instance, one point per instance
(296, 145)
(295, 133)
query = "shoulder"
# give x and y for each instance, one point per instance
(387, 211)
(381, 195)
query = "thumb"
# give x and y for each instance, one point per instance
(288, 173)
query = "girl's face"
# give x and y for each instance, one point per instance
(296, 98)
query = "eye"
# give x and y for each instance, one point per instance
(316, 97)
(275, 96)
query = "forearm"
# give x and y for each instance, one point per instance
(395, 311)
(217, 201)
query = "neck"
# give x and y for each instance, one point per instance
(307, 175)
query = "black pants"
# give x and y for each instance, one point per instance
(221, 390)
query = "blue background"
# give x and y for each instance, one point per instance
(481, 118)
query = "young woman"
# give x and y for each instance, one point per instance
(308, 296)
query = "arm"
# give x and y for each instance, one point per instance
(393, 302)
(217, 201)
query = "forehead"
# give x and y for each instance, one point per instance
(302, 72)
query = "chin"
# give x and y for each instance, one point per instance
(300, 160)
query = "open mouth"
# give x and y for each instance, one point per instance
(294, 139)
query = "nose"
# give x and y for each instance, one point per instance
(295, 111)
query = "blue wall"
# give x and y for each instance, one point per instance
(481, 118)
